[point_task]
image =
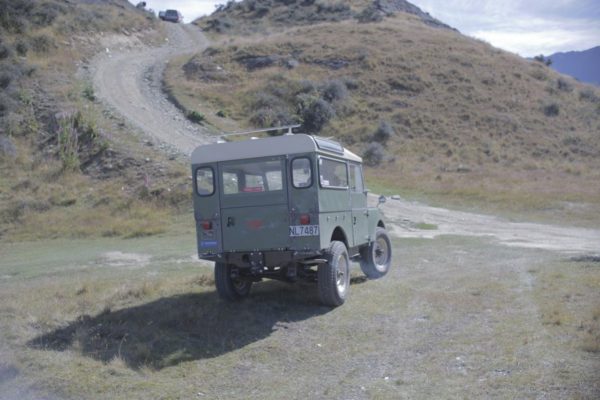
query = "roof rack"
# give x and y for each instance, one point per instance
(275, 128)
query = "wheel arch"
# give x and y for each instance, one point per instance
(339, 235)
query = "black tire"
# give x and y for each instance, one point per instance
(333, 277)
(228, 288)
(376, 258)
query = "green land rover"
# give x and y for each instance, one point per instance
(287, 207)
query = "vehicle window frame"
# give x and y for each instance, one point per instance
(310, 168)
(345, 162)
(214, 186)
(266, 185)
(358, 166)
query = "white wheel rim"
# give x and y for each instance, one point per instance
(342, 275)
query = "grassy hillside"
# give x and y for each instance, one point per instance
(65, 169)
(432, 111)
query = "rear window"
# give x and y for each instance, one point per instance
(205, 181)
(252, 177)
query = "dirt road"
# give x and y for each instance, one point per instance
(416, 220)
(128, 81)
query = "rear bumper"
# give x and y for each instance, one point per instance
(260, 259)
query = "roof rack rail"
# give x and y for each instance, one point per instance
(275, 128)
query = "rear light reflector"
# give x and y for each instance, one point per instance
(206, 225)
(305, 219)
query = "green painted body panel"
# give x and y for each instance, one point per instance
(255, 228)
(261, 220)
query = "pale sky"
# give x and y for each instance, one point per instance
(525, 27)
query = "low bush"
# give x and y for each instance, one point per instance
(551, 109)
(317, 115)
(42, 43)
(7, 147)
(564, 85)
(384, 132)
(195, 117)
(88, 93)
(5, 51)
(370, 14)
(373, 154)
(335, 90)
(22, 48)
(588, 94)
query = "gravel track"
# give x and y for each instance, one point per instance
(407, 217)
(129, 82)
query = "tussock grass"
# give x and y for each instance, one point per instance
(468, 120)
(74, 171)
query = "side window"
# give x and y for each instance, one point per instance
(333, 173)
(205, 181)
(301, 173)
(356, 180)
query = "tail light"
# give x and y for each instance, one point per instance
(207, 225)
(305, 219)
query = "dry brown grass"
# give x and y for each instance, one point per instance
(469, 118)
(108, 188)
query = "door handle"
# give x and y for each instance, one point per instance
(230, 221)
(354, 220)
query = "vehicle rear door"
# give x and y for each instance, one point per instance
(254, 204)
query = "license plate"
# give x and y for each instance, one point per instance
(304, 230)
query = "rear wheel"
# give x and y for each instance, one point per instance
(376, 258)
(333, 277)
(229, 288)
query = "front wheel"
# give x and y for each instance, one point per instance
(333, 277)
(231, 289)
(376, 258)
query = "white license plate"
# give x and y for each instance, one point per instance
(304, 230)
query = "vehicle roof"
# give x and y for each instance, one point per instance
(270, 146)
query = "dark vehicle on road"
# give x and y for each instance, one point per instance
(171, 16)
(286, 207)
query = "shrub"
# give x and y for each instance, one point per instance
(588, 94)
(4, 51)
(7, 147)
(5, 80)
(317, 115)
(335, 90)
(384, 132)
(42, 43)
(543, 60)
(195, 117)
(22, 48)
(370, 14)
(551, 110)
(373, 154)
(88, 93)
(67, 138)
(564, 85)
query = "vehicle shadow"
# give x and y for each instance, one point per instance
(181, 328)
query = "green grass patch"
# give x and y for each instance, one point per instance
(426, 227)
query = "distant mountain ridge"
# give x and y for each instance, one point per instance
(582, 65)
